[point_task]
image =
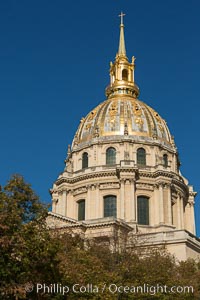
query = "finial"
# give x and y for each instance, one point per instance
(69, 150)
(121, 16)
(122, 48)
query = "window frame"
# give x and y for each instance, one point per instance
(81, 215)
(111, 159)
(143, 216)
(108, 210)
(85, 160)
(165, 160)
(141, 157)
(125, 74)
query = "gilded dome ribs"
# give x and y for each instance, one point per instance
(113, 116)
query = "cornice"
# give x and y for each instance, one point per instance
(156, 174)
(61, 217)
(116, 139)
(172, 178)
(85, 224)
(181, 185)
(83, 177)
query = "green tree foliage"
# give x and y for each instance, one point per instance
(30, 254)
(27, 250)
(99, 266)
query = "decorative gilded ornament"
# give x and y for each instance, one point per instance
(88, 126)
(92, 115)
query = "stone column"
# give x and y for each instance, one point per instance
(87, 203)
(169, 206)
(192, 220)
(191, 201)
(174, 214)
(189, 217)
(75, 162)
(161, 204)
(64, 203)
(178, 213)
(54, 201)
(181, 213)
(97, 202)
(120, 202)
(155, 218)
(127, 200)
(59, 204)
(133, 201)
(71, 205)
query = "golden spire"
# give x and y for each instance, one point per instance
(122, 48)
(122, 80)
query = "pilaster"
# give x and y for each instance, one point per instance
(64, 203)
(156, 216)
(120, 202)
(169, 206)
(161, 204)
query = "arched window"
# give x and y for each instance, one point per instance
(165, 160)
(143, 210)
(141, 157)
(81, 210)
(124, 74)
(111, 156)
(110, 206)
(84, 160)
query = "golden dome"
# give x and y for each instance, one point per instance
(122, 114)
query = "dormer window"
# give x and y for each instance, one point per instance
(165, 160)
(111, 156)
(85, 160)
(141, 157)
(125, 75)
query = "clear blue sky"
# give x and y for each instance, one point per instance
(54, 62)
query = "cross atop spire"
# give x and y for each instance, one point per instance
(121, 16)
(122, 48)
(122, 80)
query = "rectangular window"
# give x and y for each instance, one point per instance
(143, 210)
(110, 206)
(141, 157)
(81, 210)
(110, 156)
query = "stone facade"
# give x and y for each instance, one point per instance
(125, 126)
